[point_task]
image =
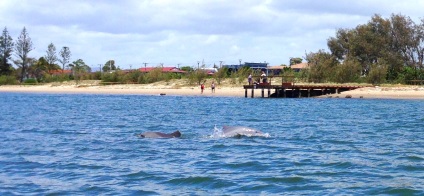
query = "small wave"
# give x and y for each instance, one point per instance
(412, 168)
(200, 181)
(398, 191)
(292, 179)
(414, 158)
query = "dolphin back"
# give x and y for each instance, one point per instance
(176, 134)
(160, 135)
(238, 131)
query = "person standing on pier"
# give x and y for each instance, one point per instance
(263, 77)
(249, 79)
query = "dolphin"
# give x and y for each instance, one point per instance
(238, 131)
(175, 134)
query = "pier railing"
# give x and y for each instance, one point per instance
(289, 89)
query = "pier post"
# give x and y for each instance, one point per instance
(300, 93)
(252, 93)
(269, 92)
(309, 92)
(245, 93)
(263, 93)
(284, 93)
(277, 92)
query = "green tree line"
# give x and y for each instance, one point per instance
(385, 50)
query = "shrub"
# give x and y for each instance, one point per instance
(30, 81)
(8, 80)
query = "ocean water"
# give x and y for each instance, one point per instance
(78, 144)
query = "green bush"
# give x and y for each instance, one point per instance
(377, 74)
(8, 80)
(110, 77)
(131, 77)
(55, 78)
(30, 81)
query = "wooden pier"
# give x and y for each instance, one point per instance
(291, 90)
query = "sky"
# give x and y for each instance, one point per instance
(188, 32)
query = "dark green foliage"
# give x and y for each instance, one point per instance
(79, 69)
(132, 77)
(187, 68)
(383, 50)
(377, 74)
(4, 79)
(322, 66)
(109, 66)
(96, 75)
(30, 81)
(56, 78)
(6, 48)
(111, 77)
(294, 61)
(22, 47)
(348, 71)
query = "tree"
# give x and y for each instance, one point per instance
(36, 69)
(78, 68)
(65, 55)
(51, 56)
(187, 68)
(109, 66)
(294, 61)
(321, 66)
(6, 48)
(389, 45)
(22, 47)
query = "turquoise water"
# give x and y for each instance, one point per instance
(70, 144)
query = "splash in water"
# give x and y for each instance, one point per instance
(237, 131)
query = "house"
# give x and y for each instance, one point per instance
(299, 67)
(255, 66)
(209, 71)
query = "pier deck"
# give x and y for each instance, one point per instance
(290, 90)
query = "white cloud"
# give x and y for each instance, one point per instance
(187, 31)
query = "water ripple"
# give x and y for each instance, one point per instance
(87, 145)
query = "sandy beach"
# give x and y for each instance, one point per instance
(174, 89)
(133, 89)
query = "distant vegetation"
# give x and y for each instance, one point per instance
(384, 50)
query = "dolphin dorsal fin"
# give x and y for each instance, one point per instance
(176, 134)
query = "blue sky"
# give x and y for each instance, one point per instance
(184, 32)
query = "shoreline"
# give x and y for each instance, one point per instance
(125, 89)
(377, 92)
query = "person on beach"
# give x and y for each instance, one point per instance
(213, 86)
(249, 79)
(202, 87)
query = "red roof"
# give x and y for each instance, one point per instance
(164, 69)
